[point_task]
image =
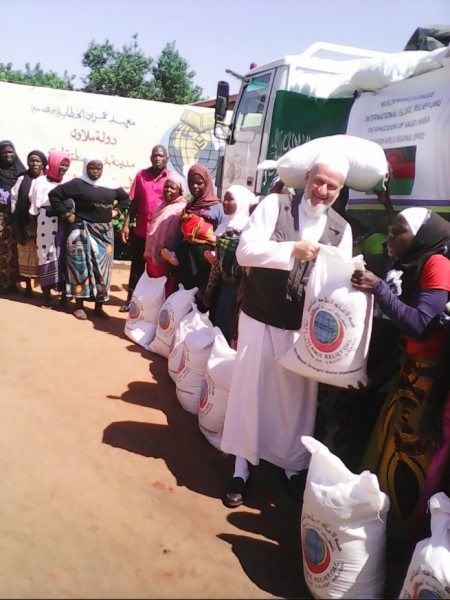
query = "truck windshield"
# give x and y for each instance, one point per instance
(250, 111)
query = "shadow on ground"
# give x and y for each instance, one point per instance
(272, 563)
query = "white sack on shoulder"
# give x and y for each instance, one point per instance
(343, 528)
(146, 301)
(428, 574)
(215, 389)
(176, 306)
(368, 163)
(336, 326)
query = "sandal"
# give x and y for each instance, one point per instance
(80, 314)
(125, 307)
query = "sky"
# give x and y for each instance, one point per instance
(211, 36)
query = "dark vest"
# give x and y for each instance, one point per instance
(273, 296)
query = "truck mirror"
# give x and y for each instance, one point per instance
(222, 97)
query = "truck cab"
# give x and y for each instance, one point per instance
(321, 68)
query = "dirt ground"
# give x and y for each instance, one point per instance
(109, 488)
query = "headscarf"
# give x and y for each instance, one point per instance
(102, 181)
(432, 237)
(209, 198)
(165, 221)
(415, 216)
(55, 158)
(21, 213)
(237, 221)
(178, 180)
(10, 173)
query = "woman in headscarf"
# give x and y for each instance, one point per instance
(196, 235)
(50, 230)
(413, 296)
(11, 167)
(221, 293)
(163, 227)
(90, 236)
(25, 224)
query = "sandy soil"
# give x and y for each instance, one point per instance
(109, 488)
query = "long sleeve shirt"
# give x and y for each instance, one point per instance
(93, 204)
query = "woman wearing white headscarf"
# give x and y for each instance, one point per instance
(412, 428)
(221, 293)
(90, 239)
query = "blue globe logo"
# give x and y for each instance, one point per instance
(325, 327)
(204, 394)
(326, 331)
(316, 552)
(164, 319)
(134, 310)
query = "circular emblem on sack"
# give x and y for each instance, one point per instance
(182, 364)
(203, 394)
(326, 331)
(164, 319)
(135, 310)
(315, 551)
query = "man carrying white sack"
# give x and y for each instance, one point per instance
(270, 408)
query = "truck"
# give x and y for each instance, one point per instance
(399, 100)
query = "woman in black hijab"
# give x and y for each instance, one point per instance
(25, 224)
(11, 167)
(412, 426)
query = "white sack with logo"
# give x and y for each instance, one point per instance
(336, 325)
(195, 351)
(368, 163)
(428, 574)
(176, 306)
(343, 528)
(146, 301)
(193, 321)
(215, 389)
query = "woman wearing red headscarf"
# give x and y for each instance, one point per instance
(50, 231)
(198, 222)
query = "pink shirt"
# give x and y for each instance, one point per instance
(147, 192)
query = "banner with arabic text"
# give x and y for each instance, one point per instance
(123, 130)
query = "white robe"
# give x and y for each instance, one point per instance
(269, 408)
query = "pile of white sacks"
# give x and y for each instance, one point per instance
(199, 358)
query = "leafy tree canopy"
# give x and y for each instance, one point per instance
(36, 76)
(174, 79)
(114, 72)
(126, 72)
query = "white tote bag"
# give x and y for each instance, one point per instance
(336, 326)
